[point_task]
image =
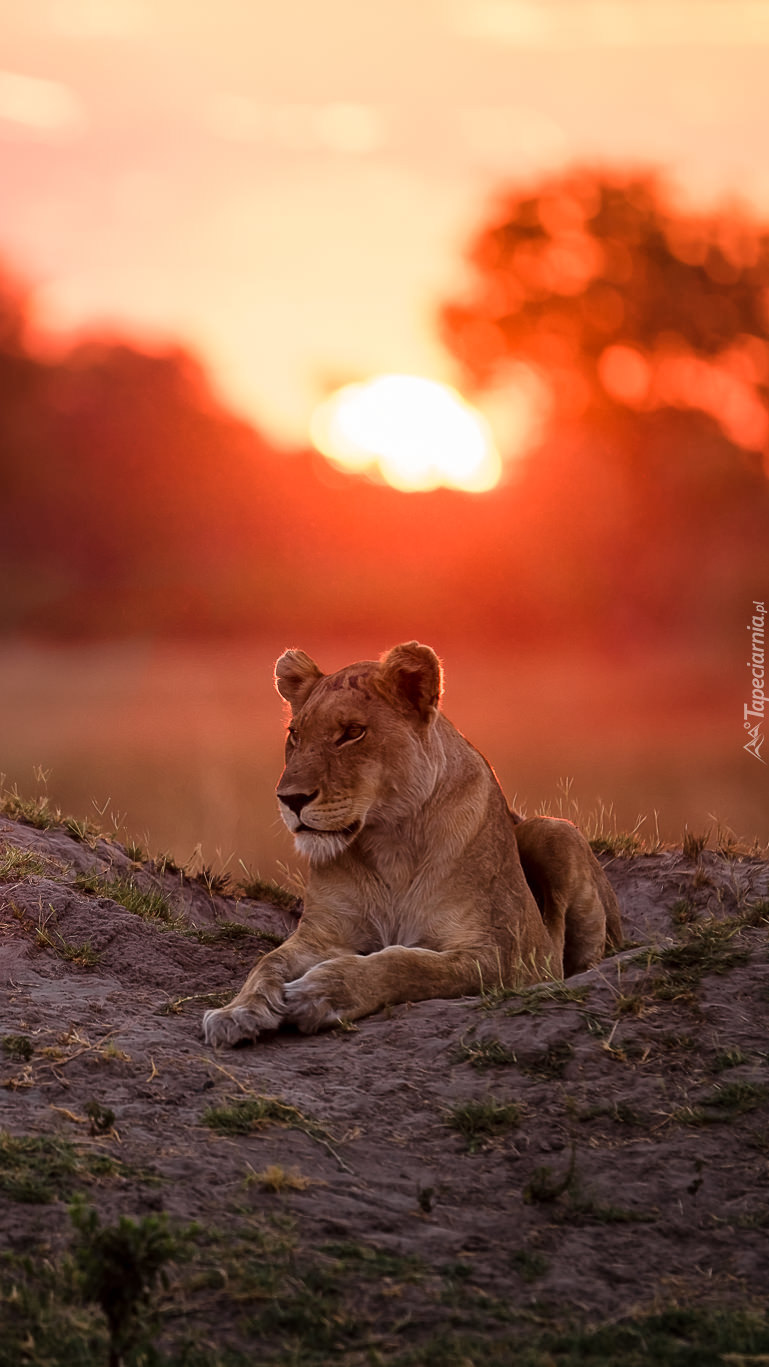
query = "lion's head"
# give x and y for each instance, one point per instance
(358, 745)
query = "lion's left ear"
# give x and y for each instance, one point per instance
(413, 673)
(295, 677)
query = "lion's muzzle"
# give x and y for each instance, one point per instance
(296, 802)
(327, 821)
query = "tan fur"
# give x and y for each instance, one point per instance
(416, 886)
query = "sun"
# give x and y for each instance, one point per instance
(415, 433)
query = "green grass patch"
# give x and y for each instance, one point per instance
(81, 829)
(629, 1004)
(530, 1001)
(709, 948)
(216, 883)
(480, 1122)
(694, 844)
(48, 937)
(246, 1114)
(371, 1262)
(17, 864)
(676, 1337)
(267, 890)
(44, 1323)
(729, 1058)
(30, 811)
(545, 1186)
(551, 1062)
(730, 1099)
(225, 932)
(215, 1293)
(575, 1203)
(18, 1047)
(483, 1053)
(756, 913)
(619, 844)
(42, 1168)
(530, 1264)
(683, 912)
(39, 1169)
(149, 903)
(301, 1308)
(118, 1267)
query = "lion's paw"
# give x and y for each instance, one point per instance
(308, 1004)
(230, 1024)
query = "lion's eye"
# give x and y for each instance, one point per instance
(351, 732)
(291, 737)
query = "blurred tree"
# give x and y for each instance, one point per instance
(620, 304)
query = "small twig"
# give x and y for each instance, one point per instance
(88, 1049)
(327, 1145)
(248, 1091)
(220, 1069)
(62, 1110)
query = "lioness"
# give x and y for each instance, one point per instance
(415, 887)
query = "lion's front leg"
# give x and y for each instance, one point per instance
(260, 1005)
(355, 985)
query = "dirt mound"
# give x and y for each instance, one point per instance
(576, 1172)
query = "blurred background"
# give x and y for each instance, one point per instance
(334, 325)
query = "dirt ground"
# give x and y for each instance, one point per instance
(576, 1173)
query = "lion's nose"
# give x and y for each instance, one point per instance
(296, 801)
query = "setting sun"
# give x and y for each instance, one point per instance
(416, 433)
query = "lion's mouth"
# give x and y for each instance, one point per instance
(350, 830)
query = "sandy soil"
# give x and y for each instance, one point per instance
(355, 1222)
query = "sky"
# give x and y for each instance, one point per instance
(288, 188)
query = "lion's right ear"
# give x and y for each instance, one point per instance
(413, 674)
(295, 677)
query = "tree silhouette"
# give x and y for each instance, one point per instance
(621, 303)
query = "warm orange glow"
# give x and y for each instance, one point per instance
(625, 374)
(416, 433)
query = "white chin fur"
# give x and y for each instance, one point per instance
(323, 847)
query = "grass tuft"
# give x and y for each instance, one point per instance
(479, 1122)
(708, 949)
(551, 1062)
(249, 1113)
(693, 845)
(18, 1047)
(215, 884)
(258, 889)
(84, 955)
(736, 1098)
(17, 864)
(483, 1053)
(119, 1266)
(30, 811)
(37, 1169)
(530, 1001)
(277, 1178)
(148, 903)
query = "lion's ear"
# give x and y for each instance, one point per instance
(413, 673)
(295, 677)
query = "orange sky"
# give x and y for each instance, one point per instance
(288, 186)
